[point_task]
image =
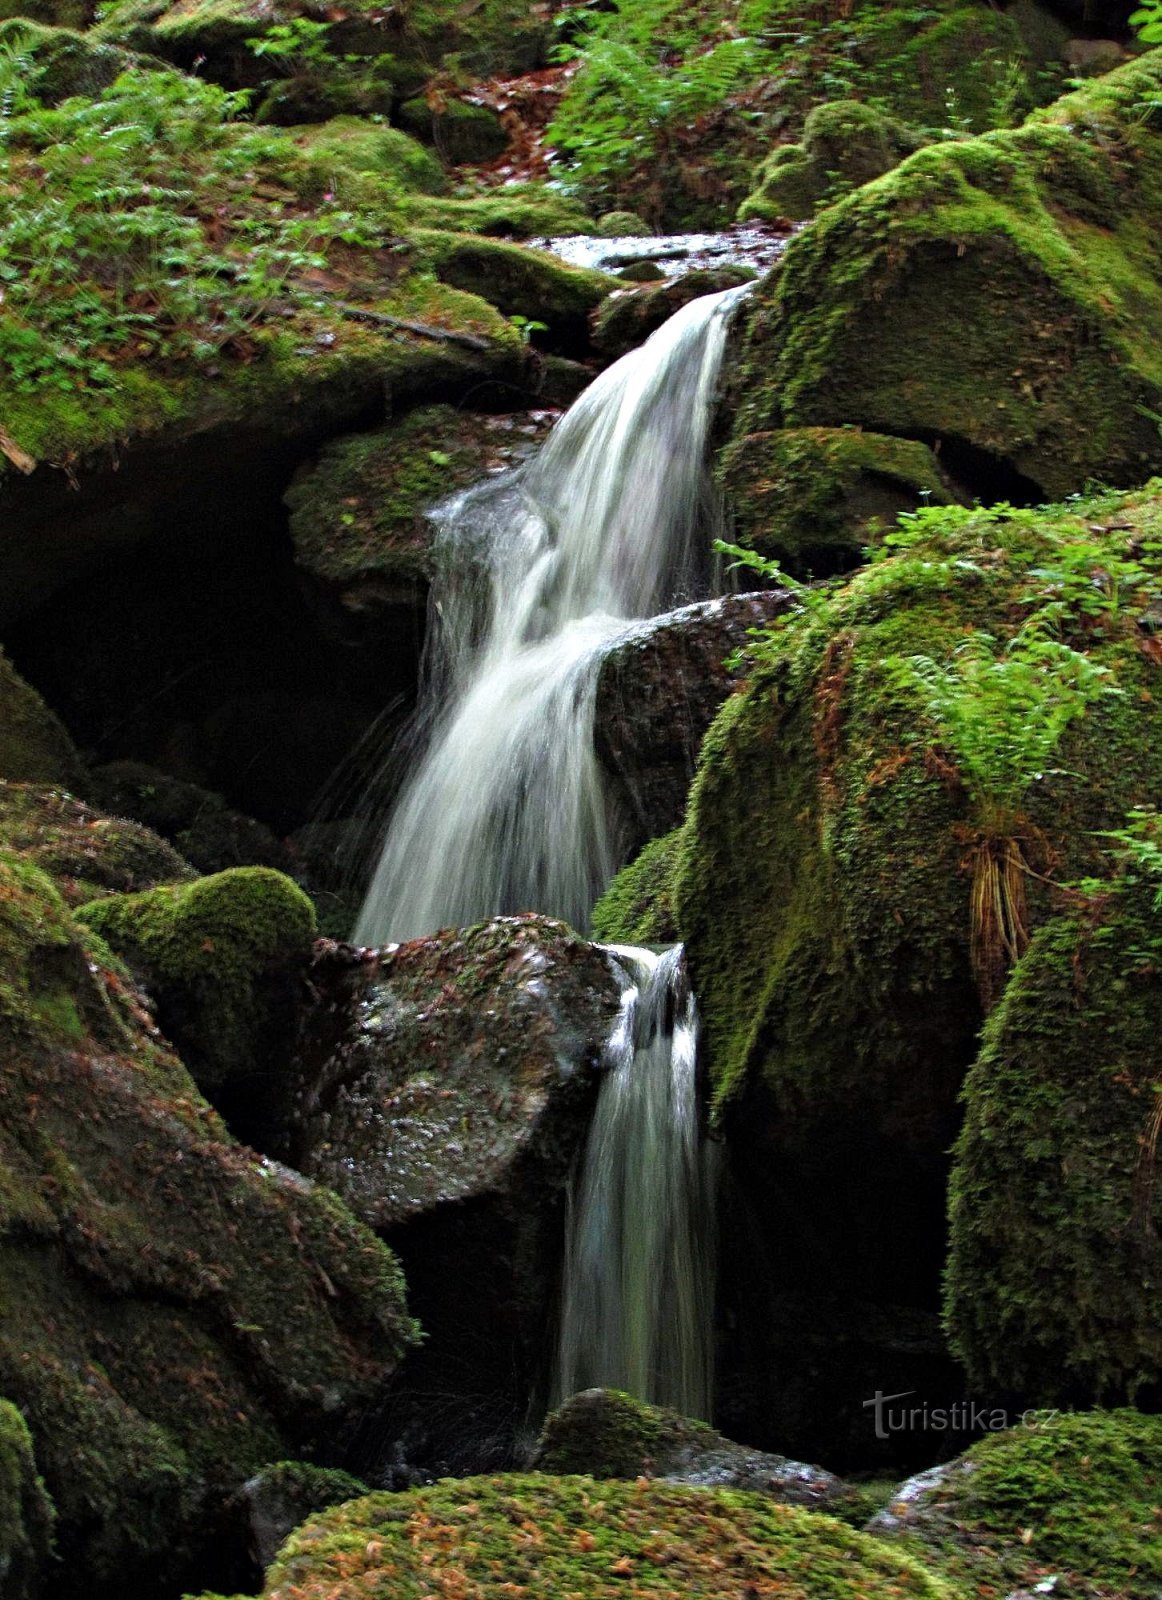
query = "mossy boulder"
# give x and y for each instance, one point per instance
(543, 1537)
(607, 1434)
(820, 885)
(637, 907)
(530, 210)
(520, 282)
(209, 834)
(462, 133)
(86, 854)
(1041, 243)
(621, 225)
(34, 746)
(445, 1088)
(57, 62)
(223, 956)
(845, 143)
(174, 1311)
(358, 513)
(1055, 1262)
(1061, 1503)
(359, 145)
(26, 1512)
(285, 1494)
(812, 498)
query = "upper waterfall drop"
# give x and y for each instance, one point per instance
(540, 570)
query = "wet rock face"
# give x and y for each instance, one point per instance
(446, 1088)
(626, 320)
(658, 693)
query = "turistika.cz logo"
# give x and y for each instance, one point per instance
(963, 1416)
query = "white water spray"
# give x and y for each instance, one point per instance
(506, 809)
(637, 1309)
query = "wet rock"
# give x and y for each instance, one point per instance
(446, 1086)
(628, 318)
(608, 1434)
(280, 1497)
(658, 693)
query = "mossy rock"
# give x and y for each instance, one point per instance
(845, 144)
(812, 498)
(1055, 1260)
(519, 282)
(1044, 241)
(87, 855)
(26, 1512)
(463, 134)
(357, 145)
(637, 907)
(222, 955)
(285, 1494)
(59, 62)
(34, 746)
(1068, 1500)
(516, 211)
(622, 225)
(628, 318)
(174, 1311)
(358, 513)
(545, 1537)
(51, 14)
(209, 834)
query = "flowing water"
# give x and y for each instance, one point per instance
(636, 1310)
(505, 808)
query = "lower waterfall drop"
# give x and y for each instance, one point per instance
(637, 1295)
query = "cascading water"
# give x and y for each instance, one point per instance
(638, 1281)
(505, 810)
(544, 568)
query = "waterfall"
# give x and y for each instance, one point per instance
(636, 1310)
(505, 806)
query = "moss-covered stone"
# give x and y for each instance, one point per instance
(1055, 1261)
(547, 1536)
(463, 134)
(621, 225)
(1041, 244)
(34, 746)
(845, 143)
(57, 62)
(357, 513)
(527, 283)
(811, 498)
(174, 1311)
(285, 1494)
(1063, 1500)
(628, 318)
(637, 907)
(355, 144)
(26, 1512)
(516, 211)
(87, 855)
(222, 955)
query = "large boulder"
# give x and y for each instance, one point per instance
(1056, 1209)
(821, 885)
(1054, 1504)
(845, 144)
(174, 1310)
(543, 1537)
(446, 1087)
(657, 693)
(998, 295)
(34, 746)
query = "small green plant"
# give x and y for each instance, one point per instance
(1001, 711)
(1148, 21)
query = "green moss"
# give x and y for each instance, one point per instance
(620, 1438)
(520, 282)
(845, 144)
(211, 950)
(1070, 1499)
(1055, 1262)
(356, 145)
(58, 62)
(811, 498)
(1043, 241)
(637, 907)
(462, 133)
(819, 882)
(34, 746)
(516, 211)
(26, 1512)
(554, 1536)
